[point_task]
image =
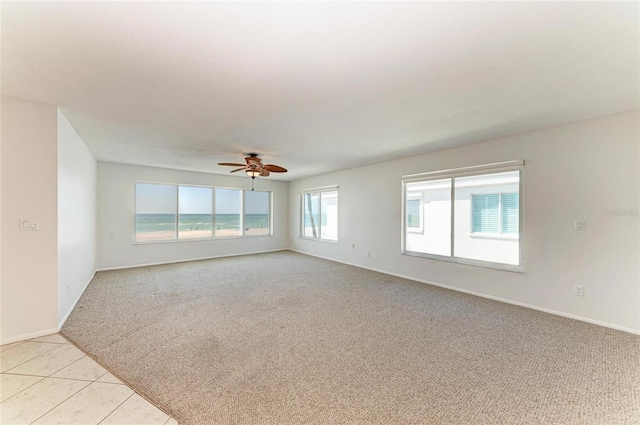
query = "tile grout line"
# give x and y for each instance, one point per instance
(105, 370)
(57, 377)
(122, 382)
(53, 373)
(89, 382)
(99, 363)
(24, 389)
(75, 361)
(116, 408)
(44, 352)
(66, 379)
(18, 343)
(38, 418)
(152, 404)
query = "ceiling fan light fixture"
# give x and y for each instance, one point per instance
(253, 173)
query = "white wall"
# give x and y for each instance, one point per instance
(77, 217)
(116, 183)
(572, 172)
(1, 225)
(29, 191)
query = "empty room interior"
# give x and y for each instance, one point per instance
(320, 213)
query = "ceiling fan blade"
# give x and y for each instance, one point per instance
(231, 164)
(239, 169)
(275, 168)
(264, 172)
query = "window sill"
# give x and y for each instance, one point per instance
(469, 262)
(318, 239)
(201, 239)
(495, 236)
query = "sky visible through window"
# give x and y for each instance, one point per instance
(195, 200)
(256, 202)
(155, 199)
(228, 201)
(161, 199)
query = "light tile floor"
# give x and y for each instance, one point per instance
(47, 380)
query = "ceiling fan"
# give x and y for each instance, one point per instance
(254, 166)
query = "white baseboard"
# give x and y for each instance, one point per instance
(64, 319)
(66, 316)
(491, 297)
(30, 335)
(187, 260)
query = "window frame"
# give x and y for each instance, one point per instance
(452, 174)
(319, 191)
(213, 236)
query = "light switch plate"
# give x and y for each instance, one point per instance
(29, 225)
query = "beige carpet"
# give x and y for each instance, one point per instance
(284, 338)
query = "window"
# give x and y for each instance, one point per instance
(469, 215)
(320, 214)
(256, 213)
(228, 208)
(310, 214)
(414, 213)
(435, 201)
(495, 213)
(156, 206)
(165, 212)
(510, 207)
(194, 212)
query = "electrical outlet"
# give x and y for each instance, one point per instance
(578, 290)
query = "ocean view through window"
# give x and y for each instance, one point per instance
(156, 206)
(256, 213)
(166, 213)
(194, 212)
(228, 212)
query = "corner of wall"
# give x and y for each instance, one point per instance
(77, 217)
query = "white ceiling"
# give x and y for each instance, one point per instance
(316, 87)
